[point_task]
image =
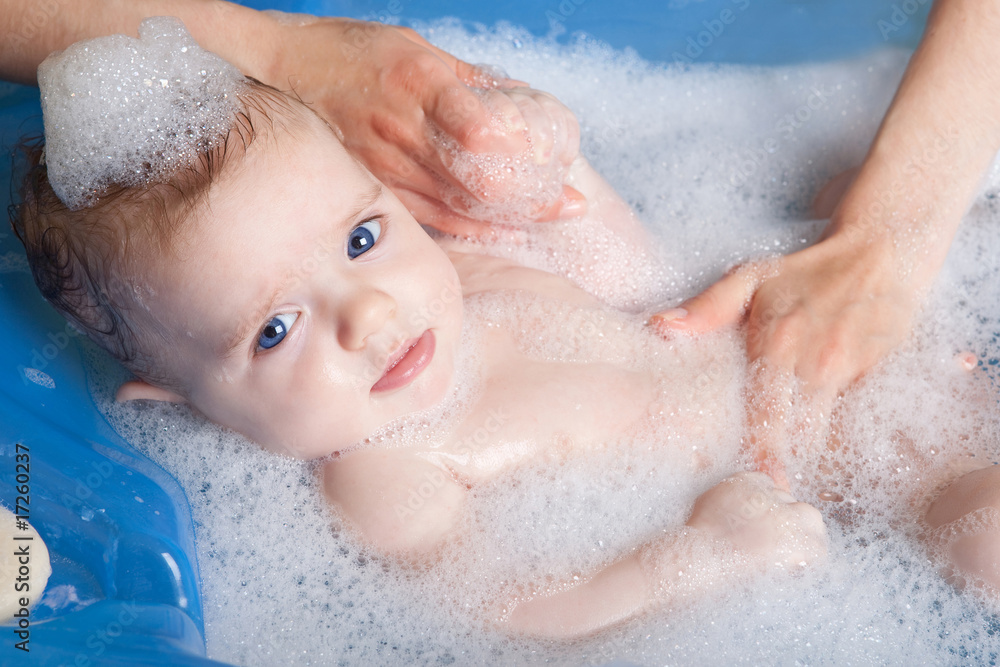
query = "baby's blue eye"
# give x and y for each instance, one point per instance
(276, 330)
(363, 237)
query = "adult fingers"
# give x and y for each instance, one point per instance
(722, 304)
(768, 395)
(434, 214)
(572, 204)
(471, 75)
(477, 76)
(462, 114)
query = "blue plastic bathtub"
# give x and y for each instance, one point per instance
(124, 588)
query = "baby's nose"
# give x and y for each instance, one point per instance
(363, 313)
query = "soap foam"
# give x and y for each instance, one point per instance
(499, 186)
(125, 111)
(284, 583)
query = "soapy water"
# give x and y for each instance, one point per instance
(502, 187)
(721, 163)
(113, 107)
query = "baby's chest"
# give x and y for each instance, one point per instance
(542, 411)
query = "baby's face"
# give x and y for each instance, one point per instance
(306, 307)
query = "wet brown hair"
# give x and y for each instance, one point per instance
(88, 263)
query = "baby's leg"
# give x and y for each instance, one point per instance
(965, 525)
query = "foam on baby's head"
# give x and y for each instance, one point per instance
(126, 111)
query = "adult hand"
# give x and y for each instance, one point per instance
(394, 98)
(831, 311)
(391, 96)
(825, 314)
(815, 321)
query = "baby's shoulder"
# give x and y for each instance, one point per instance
(480, 273)
(398, 502)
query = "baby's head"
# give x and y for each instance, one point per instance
(268, 280)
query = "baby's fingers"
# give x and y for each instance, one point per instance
(540, 128)
(805, 540)
(565, 127)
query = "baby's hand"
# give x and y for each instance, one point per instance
(551, 128)
(757, 518)
(530, 185)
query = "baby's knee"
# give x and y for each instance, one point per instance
(964, 524)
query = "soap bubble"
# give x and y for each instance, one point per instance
(124, 111)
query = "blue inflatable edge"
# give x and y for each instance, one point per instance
(124, 587)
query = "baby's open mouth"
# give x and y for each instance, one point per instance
(406, 363)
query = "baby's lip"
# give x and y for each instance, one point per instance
(406, 363)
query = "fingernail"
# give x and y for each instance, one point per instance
(784, 496)
(671, 315)
(572, 208)
(967, 360)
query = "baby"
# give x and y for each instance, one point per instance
(267, 280)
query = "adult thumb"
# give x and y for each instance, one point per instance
(722, 304)
(571, 204)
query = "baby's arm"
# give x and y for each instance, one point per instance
(399, 504)
(742, 524)
(596, 241)
(405, 507)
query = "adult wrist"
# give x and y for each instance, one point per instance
(247, 38)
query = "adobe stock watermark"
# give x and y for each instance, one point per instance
(785, 128)
(35, 21)
(98, 474)
(449, 294)
(433, 480)
(778, 308)
(900, 15)
(585, 325)
(420, 322)
(100, 640)
(608, 134)
(269, 652)
(360, 34)
(557, 14)
(697, 43)
(40, 358)
(871, 218)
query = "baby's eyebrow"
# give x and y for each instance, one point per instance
(250, 323)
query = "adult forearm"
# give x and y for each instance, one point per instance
(29, 31)
(936, 141)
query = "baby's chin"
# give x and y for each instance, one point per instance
(430, 394)
(431, 390)
(439, 382)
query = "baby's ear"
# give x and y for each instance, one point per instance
(141, 390)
